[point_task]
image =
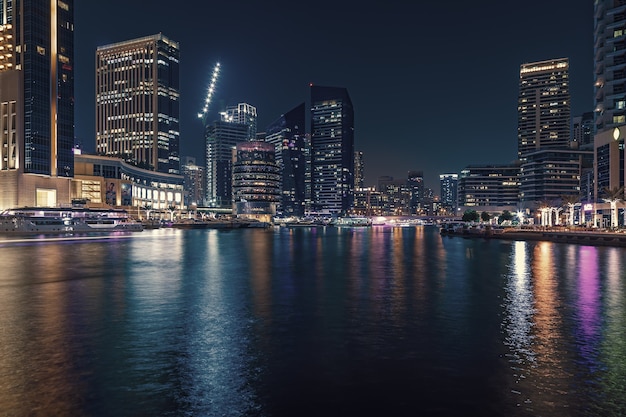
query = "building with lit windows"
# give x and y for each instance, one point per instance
(137, 102)
(359, 170)
(256, 181)
(548, 175)
(242, 113)
(610, 94)
(194, 182)
(36, 102)
(221, 137)
(415, 182)
(543, 119)
(332, 147)
(288, 137)
(491, 188)
(110, 182)
(582, 131)
(395, 196)
(448, 184)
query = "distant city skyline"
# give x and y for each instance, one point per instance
(416, 82)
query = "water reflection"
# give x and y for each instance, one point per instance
(331, 321)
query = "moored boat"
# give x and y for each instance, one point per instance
(59, 220)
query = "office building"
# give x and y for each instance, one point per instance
(332, 145)
(359, 170)
(137, 102)
(491, 188)
(610, 95)
(582, 131)
(36, 102)
(242, 113)
(287, 135)
(194, 178)
(256, 181)
(415, 182)
(548, 175)
(449, 187)
(395, 196)
(221, 137)
(543, 106)
(104, 181)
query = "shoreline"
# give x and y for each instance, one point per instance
(592, 238)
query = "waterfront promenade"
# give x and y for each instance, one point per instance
(599, 237)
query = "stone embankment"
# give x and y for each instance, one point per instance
(583, 237)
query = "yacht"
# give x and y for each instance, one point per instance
(46, 220)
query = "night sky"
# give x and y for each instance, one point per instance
(434, 83)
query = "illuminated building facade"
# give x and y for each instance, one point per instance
(415, 182)
(395, 196)
(491, 188)
(256, 180)
(359, 170)
(610, 94)
(137, 102)
(194, 182)
(242, 113)
(550, 174)
(221, 137)
(543, 118)
(332, 146)
(288, 137)
(449, 184)
(36, 102)
(109, 181)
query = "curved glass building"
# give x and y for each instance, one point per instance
(256, 180)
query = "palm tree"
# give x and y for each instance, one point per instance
(613, 196)
(570, 201)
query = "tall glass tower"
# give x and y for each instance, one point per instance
(332, 144)
(543, 112)
(137, 102)
(610, 95)
(288, 137)
(221, 139)
(37, 86)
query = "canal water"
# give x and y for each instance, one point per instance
(323, 321)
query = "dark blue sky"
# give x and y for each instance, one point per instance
(434, 84)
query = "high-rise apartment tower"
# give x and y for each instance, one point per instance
(36, 101)
(137, 102)
(543, 118)
(332, 144)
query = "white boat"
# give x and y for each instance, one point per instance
(353, 221)
(39, 220)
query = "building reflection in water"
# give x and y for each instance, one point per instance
(614, 342)
(588, 305)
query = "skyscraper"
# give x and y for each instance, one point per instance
(256, 180)
(288, 137)
(610, 95)
(449, 186)
(221, 138)
(137, 102)
(332, 144)
(242, 113)
(582, 130)
(36, 101)
(543, 120)
(415, 183)
(359, 170)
